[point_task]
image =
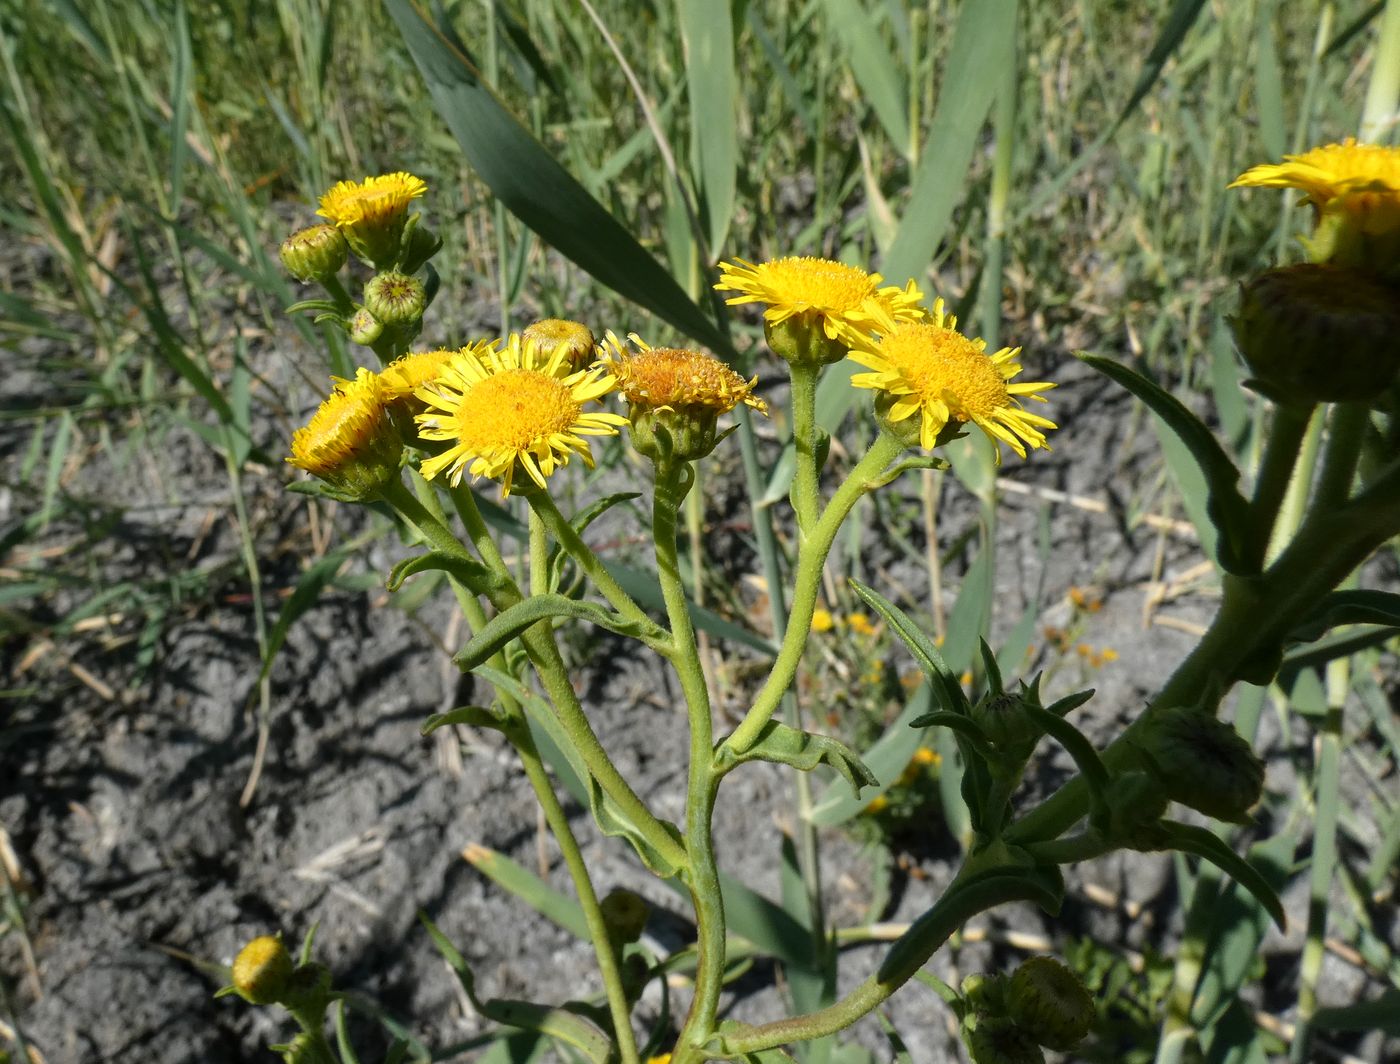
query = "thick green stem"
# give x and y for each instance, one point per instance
(806, 493)
(1345, 433)
(558, 821)
(810, 560)
(1255, 614)
(702, 785)
(1275, 471)
(910, 952)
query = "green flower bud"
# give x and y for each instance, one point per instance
(396, 299)
(1003, 718)
(625, 913)
(908, 430)
(1203, 763)
(261, 970)
(1135, 803)
(365, 328)
(996, 1040)
(351, 442)
(802, 338)
(1319, 334)
(315, 254)
(1049, 1003)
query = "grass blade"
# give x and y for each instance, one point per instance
(707, 31)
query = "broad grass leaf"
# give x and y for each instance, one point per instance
(707, 33)
(875, 70)
(529, 888)
(536, 189)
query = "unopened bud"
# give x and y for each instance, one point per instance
(365, 328)
(996, 1040)
(573, 337)
(1203, 763)
(261, 970)
(396, 299)
(1004, 720)
(315, 254)
(802, 339)
(1049, 1003)
(1319, 334)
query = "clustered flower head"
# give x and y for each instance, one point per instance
(373, 213)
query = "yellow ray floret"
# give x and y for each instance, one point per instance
(497, 408)
(351, 441)
(373, 201)
(1361, 179)
(931, 370)
(848, 301)
(404, 376)
(667, 378)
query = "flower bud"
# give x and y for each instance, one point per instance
(1049, 1003)
(365, 328)
(574, 337)
(351, 442)
(625, 913)
(1135, 803)
(1003, 719)
(372, 214)
(396, 299)
(314, 254)
(996, 1040)
(1319, 334)
(1203, 763)
(802, 339)
(261, 970)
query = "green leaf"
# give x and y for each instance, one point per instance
(1268, 86)
(643, 587)
(469, 571)
(875, 70)
(1348, 607)
(803, 751)
(509, 623)
(1382, 1014)
(707, 33)
(886, 759)
(945, 684)
(964, 726)
(615, 823)
(536, 189)
(304, 596)
(529, 888)
(473, 716)
(1188, 838)
(1227, 508)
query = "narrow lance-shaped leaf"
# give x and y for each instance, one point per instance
(514, 620)
(707, 32)
(804, 751)
(536, 188)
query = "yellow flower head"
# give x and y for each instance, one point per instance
(860, 624)
(404, 376)
(372, 213)
(1363, 179)
(822, 621)
(574, 337)
(845, 302)
(671, 378)
(350, 442)
(500, 408)
(1355, 192)
(932, 370)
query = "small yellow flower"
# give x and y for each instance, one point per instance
(1108, 654)
(936, 372)
(822, 621)
(1085, 600)
(664, 1058)
(860, 624)
(261, 970)
(877, 805)
(350, 442)
(503, 408)
(372, 213)
(924, 756)
(844, 301)
(1360, 179)
(575, 337)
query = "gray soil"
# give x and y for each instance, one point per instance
(121, 785)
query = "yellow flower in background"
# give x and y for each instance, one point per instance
(500, 408)
(876, 805)
(673, 378)
(371, 213)
(845, 301)
(860, 624)
(822, 621)
(933, 371)
(350, 442)
(1361, 179)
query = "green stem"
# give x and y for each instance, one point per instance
(337, 292)
(1346, 432)
(810, 560)
(539, 555)
(1070, 850)
(559, 527)
(1255, 614)
(607, 954)
(910, 952)
(806, 493)
(544, 654)
(1275, 471)
(673, 480)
